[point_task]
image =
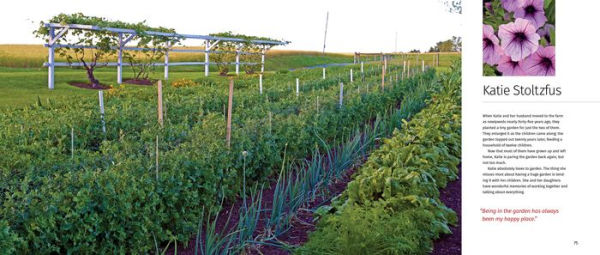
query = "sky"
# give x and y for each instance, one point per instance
(364, 26)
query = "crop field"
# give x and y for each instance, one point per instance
(276, 163)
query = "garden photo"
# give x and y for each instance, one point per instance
(144, 131)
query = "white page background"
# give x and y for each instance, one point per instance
(577, 68)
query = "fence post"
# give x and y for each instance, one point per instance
(237, 60)
(120, 60)
(206, 60)
(51, 59)
(229, 109)
(160, 104)
(167, 61)
(262, 60)
(101, 101)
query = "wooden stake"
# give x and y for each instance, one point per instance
(160, 104)
(229, 109)
(403, 69)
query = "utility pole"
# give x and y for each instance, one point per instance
(396, 43)
(325, 38)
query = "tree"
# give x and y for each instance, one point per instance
(153, 49)
(450, 45)
(91, 48)
(226, 51)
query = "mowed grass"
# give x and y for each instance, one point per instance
(23, 80)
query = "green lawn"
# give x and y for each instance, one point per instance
(23, 80)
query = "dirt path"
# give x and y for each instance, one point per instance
(451, 196)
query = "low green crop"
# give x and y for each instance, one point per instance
(107, 196)
(392, 205)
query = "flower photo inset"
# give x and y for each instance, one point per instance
(518, 38)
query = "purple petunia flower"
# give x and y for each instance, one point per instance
(541, 63)
(519, 39)
(510, 68)
(532, 10)
(512, 5)
(491, 46)
(488, 7)
(545, 32)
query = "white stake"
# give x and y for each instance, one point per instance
(362, 67)
(101, 100)
(423, 66)
(72, 143)
(323, 73)
(341, 93)
(351, 76)
(270, 122)
(297, 87)
(260, 83)
(317, 104)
